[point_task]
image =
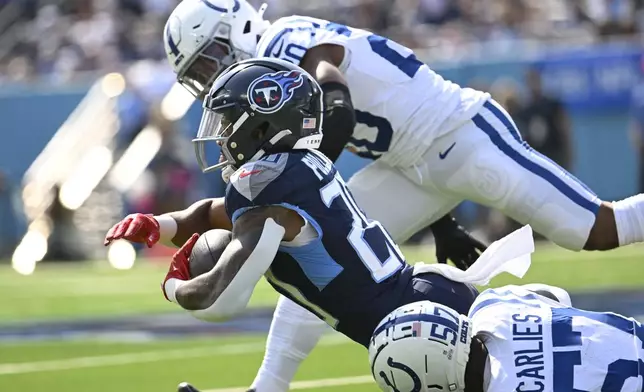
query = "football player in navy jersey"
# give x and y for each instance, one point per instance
(293, 219)
(433, 144)
(200, 44)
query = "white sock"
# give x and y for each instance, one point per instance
(293, 334)
(629, 218)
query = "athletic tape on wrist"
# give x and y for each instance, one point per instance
(167, 229)
(171, 286)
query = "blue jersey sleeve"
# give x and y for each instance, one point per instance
(272, 180)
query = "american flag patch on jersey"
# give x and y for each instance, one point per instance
(415, 329)
(308, 123)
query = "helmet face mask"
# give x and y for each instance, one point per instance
(259, 107)
(213, 56)
(204, 37)
(217, 126)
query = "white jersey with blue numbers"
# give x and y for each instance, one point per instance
(401, 105)
(536, 344)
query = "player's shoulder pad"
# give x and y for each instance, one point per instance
(253, 177)
(488, 298)
(507, 296)
(291, 19)
(290, 37)
(489, 315)
(280, 37)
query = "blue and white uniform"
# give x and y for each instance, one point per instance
(434, 143)
(343, 267)
(536, 344)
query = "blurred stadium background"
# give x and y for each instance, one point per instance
(93, 128)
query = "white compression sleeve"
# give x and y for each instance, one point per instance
(167, 229)
(629, 218)
(236, 296)
(294, 333)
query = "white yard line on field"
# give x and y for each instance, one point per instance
(123, 359)
(311, 384)
(145, 357)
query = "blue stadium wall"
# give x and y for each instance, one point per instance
(29, 117)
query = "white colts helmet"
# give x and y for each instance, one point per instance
(204, 37)
(422, 346)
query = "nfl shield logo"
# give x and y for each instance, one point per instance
(415, 329)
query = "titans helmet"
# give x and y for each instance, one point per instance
(259, 107)
(419, 347)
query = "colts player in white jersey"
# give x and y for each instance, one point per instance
(433, 145)
(513, 339)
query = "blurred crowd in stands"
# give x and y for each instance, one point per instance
(58, 39)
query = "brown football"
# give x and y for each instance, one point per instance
(207, 250)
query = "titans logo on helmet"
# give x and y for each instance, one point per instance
(268, 93)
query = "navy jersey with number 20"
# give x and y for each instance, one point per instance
(342, 276)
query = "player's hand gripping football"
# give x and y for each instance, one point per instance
(180, 265)
(455, 243)
(139, 228)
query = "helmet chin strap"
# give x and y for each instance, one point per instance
(273, 141)
(226, 172)
(279, 136)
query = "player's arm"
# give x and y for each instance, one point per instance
(452, 240)
(200, 217)
(174, 227)
(226, 289)
(322, 63)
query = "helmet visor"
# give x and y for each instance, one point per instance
(216, 126)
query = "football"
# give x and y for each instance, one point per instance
(207, 251)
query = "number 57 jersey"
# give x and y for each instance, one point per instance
(536, 344)
(401, 105)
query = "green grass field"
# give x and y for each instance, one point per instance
(66, 292)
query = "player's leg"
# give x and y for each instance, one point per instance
(614, 224)
(385, 194)
(293, 334)
(491, 165)
(439, 289)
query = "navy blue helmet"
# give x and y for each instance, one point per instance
(259, 107)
